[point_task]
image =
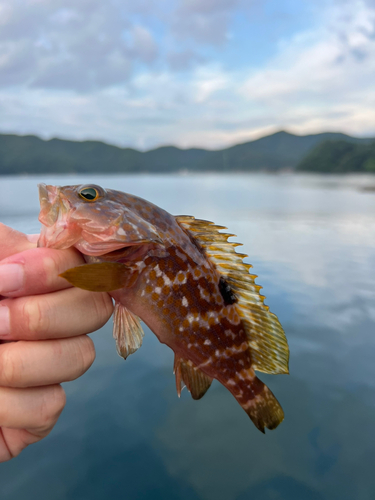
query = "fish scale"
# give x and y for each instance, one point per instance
(183, 278)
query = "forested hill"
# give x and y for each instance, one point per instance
(339, 157)
(32, 155)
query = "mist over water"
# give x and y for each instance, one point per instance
(125, 434)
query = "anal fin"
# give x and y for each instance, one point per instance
(195, 380)
(127, 331)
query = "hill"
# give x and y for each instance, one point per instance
(32, 155)
(340, 157)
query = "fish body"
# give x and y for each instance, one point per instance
(183, 279)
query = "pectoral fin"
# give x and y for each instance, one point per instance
(100, 277)
(195, 380)
(127, 331)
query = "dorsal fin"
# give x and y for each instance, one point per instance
(269, 347)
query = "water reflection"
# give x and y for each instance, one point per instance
(125, 434)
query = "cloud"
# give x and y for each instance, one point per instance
(204, 21)
(144, 74)
(91, 44)
(183, 60)
(322, 78)
(143, 45)
(72, 45)
(321, 63)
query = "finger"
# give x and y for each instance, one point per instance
(13, 441)
(33, 238)
(35, 408)
(45, 362)
(36, 271)
(66, 313)
(13, 241)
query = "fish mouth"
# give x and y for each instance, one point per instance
(54, 212)
(49, 209)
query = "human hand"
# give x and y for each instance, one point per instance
(43, 341)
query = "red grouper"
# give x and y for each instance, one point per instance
(182, 277)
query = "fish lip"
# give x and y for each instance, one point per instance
(53, 216)
(50, 205)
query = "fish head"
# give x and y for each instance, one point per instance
(92, 219)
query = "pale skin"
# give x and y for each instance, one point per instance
(44, 324)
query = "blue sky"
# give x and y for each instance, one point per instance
(208, 73)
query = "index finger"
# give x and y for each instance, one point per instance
(13, 241)
(36, 271)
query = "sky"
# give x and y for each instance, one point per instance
(192, 73)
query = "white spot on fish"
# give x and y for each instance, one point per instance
(177, 281)
(157, 270)
(230, 334)
(158, 290)
(208, 362)
(141, 265)
(207, 342)
(121, 231)
(185, 303)
(167, 281)
(244, 375)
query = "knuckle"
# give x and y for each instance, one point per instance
(35, 315)
(103, 308)
(50, 268)
(9, 369)
(56, 261)
(52, 405)
(85, 354)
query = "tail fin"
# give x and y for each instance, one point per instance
(264, 409)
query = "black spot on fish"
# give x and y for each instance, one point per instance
(226, 292)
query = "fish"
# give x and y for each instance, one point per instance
(181, 277)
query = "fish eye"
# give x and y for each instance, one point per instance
(89, 194)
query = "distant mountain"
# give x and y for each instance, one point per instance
(273, 152)
(32, 155)
(340, 157)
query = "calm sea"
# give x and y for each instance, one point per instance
(124, 434)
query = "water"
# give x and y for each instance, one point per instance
(125, 434)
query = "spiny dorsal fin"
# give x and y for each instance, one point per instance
(127, 331)
(195, 380)
(269, 347)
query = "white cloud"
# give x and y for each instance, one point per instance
(89, 70)
(71, 45)
(326, 76)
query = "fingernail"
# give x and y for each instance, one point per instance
(4, 321)
(11, 278)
